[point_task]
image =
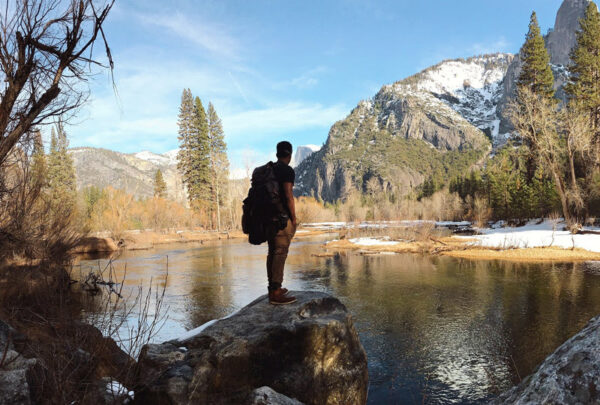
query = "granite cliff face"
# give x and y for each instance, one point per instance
(133, 173)
(562, 38)
(302, 152)
(440, 120)
(559, 42)
(435, 123)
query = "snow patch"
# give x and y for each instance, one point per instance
(117, 389)
(546, 234)
(373, 242)
(196, 331)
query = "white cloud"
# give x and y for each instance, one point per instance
(288, 117)
(212, 37)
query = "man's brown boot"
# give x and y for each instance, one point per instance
(277, 297)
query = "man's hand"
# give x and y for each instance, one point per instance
(289, 195)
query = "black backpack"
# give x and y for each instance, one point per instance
(263, 213)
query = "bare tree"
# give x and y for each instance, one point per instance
(537, 120)
(562, 137)
(46, 51)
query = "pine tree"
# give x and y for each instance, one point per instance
(535, 72)
(38, 161)
(200, 156)
(185, 123)
(219, 164)
(584, 88)
(193, 155)
(61, 170)
(160, 187)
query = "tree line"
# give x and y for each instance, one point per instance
(552, 163)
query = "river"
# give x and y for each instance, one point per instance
(436, 329)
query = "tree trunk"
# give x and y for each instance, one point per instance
(218, 198)
(563, 197)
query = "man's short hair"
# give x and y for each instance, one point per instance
(284, 149)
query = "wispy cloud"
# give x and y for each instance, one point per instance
(288, 117)
(212, 37)
(305, 80)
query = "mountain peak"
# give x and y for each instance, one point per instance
(562, 38)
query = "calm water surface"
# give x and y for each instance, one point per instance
(435, 329)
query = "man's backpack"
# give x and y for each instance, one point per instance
(263, 213)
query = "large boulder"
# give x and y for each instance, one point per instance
(16, 372)
(267, 396)
(308, 350)
(570, 375)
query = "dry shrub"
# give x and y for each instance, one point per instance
(33, 226)
(117, 211)
(308, 210)
(76, 352)
(352, 210)
(481, 212)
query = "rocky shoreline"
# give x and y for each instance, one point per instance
(305, 353)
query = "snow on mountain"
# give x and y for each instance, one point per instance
(472, 88)
(152, 157)
(172, 156)
(169, 158)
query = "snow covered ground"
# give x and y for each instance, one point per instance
(545, 234)
(380, 224)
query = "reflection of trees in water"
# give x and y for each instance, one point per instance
(429, 323)
(469, 324)
(211, 282)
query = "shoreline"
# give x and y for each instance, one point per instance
(101, 242)
(464, 247)
(461, 248)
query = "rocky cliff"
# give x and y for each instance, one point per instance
(438, 121)
(562, 38)
(559, 41)
(430, 124)
(308, 351)
(302, 152)
(133, 173)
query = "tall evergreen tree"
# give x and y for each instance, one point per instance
(219, 164)
(200, 156)
(194, 150)
(584, 88)
(61, 170)
(38, 161)
(185, 123)
(535, 72)
(160, 187)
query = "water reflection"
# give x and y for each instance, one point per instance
(436, 329)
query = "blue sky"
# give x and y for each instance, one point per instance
(277, 69)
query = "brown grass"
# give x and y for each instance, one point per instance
(543, 254)
(455, 247)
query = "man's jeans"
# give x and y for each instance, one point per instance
(278, 251)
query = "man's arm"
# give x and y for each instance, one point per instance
(287, 188)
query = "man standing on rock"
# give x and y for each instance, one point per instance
(280, 243)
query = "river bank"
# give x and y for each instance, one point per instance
(103, 242)
(535, 241)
